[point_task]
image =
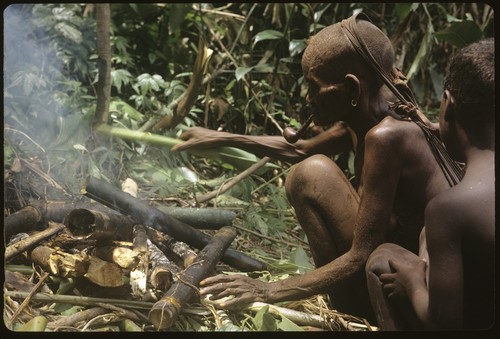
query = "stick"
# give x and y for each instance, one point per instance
(147, 215)
(165, 312)
(26, 301)
(234, 180)
(32, 240)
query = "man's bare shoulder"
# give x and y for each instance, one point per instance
(392, 126)
(393, 131)
(461, 205)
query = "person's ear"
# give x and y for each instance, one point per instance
(353, 88)
(449, 106)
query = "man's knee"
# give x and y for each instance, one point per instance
(311, 171)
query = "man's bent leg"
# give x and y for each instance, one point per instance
(326, 206)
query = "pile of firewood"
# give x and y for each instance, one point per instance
(128, 263)
(123, 243)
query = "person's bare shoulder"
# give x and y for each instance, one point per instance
(462, 206)
(394, 134)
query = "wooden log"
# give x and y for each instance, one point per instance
(91, 224)
(59, 263)
(147, 215)
(162, 268)
(105, 274)
(164, 313)
(32, 240)
(177, 251)
(122, 256)
(139, 274)
(26, 219)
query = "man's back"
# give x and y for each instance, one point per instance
(420, 177)
(464, 238)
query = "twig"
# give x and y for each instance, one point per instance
(234, 180)
(26, 301)
(260, 235)
(75, 318)
(32, 240)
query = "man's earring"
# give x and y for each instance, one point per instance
(354, 103)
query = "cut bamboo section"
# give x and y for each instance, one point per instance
(165, 312)
(144, 214)
(90, 224)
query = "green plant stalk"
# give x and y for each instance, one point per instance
(37, 324)
(236, 157)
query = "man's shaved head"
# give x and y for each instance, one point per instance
(331, 49)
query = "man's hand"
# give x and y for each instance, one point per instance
(196, 137)
(406, 279)
(244, 289)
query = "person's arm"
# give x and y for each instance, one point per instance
(333, 141)
(382, 168)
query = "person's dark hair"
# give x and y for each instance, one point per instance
(471, 80)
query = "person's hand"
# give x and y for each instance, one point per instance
(406, 277)
(196, 137)
(244, 290)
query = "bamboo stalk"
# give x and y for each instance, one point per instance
(238, 158)
(147, 215)
(90, 224)
(164, 313)
(201, 218)
(77, 300)
(26, 219)
(162, 268)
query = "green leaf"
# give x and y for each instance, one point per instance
(241, 71)
(403, 9)
(269, 34)
(287, 325)
(121, 106)
(301, 259)
(425, 47)
(460, 33)
(264, 321)
(296, 47)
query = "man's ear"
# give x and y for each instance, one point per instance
(353, 86)
(449, 106)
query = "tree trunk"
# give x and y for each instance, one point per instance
(104, 64)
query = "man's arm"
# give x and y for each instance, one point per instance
(380, 176)
(379, 179)
(333, 141)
